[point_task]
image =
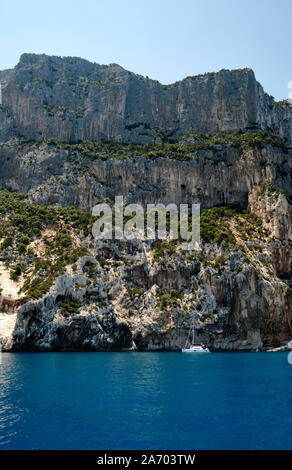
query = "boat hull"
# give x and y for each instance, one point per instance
(194, 351)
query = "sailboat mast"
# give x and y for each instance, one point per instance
(193, 328)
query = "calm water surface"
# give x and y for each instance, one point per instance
(145, 401)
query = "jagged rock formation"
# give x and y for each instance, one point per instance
(41, 326)
(143, 295)
(79, 294)
(273, 208)
(71, 99)
(219, 174)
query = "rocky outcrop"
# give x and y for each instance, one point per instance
(42, 327)
(272, 206)
(238, 286)
(7, 325)
(71, 99)
(240, 300)
(221, 174)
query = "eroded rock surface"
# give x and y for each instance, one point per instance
(209, 139)
(142, 295)
(221, 174)
(71, 99)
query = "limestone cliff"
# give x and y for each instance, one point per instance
(72, 134)
(81, 294)
(71, 99)
(212, 172)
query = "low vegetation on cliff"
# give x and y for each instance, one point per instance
(39, 243)
(152, 285)
(183, 150)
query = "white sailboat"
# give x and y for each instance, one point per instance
(194, 347)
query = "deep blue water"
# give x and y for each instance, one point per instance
(145, 401)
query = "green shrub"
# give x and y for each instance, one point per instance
(163, 248)
(168, 148)
(134, 292)
(15, 272)
(69, 306)
(170, 299)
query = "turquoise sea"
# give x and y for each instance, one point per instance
(145, 401)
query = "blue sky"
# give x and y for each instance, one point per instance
(164, 39)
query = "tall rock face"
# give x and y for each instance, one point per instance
(144, 295)
(74, 133)
(221, 174)
(71, 99)
(273, 209)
